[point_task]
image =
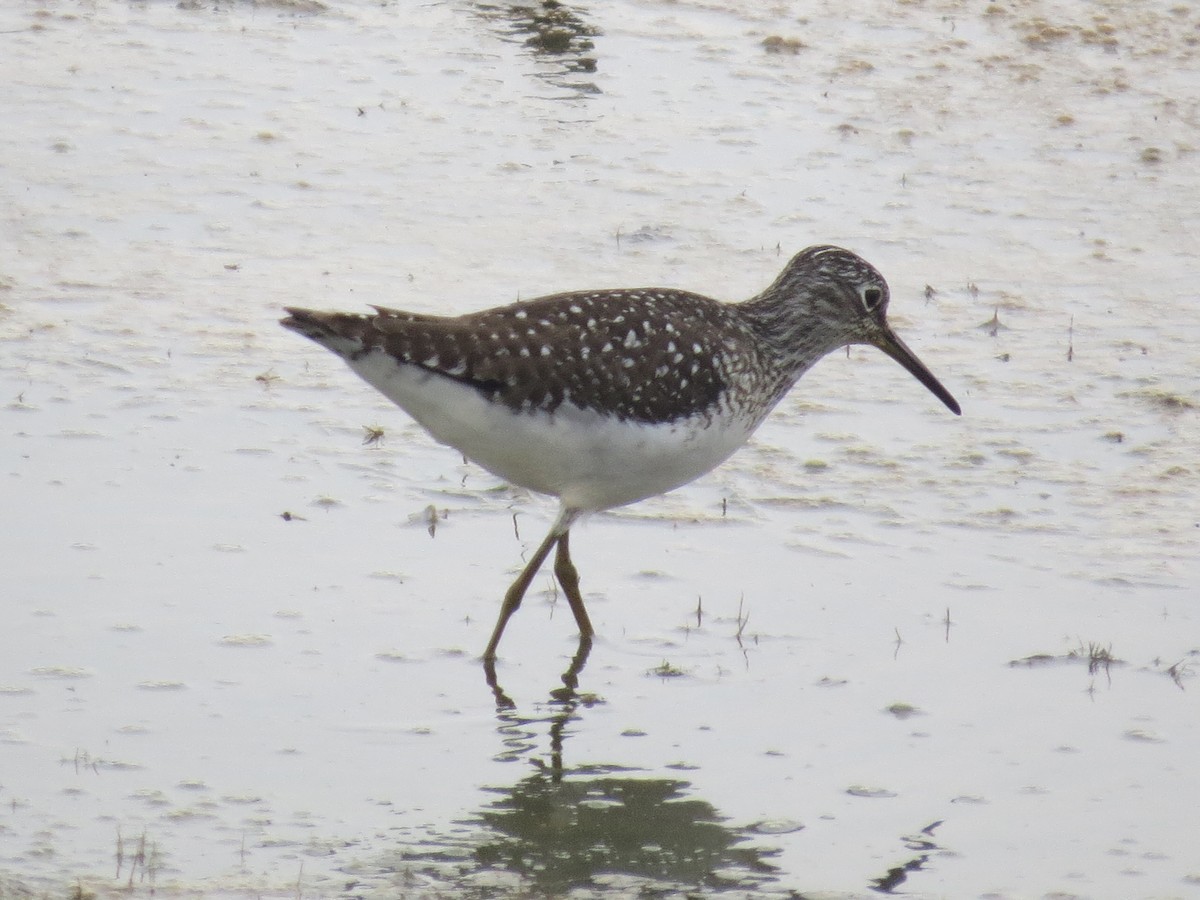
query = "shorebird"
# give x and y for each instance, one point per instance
(604, 398)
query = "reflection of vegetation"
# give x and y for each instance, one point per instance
(553, 32)
(560, 834)
(897, 875)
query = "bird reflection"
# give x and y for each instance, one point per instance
(598, 828)
(602, 825)
(570, 678)
(563, 827)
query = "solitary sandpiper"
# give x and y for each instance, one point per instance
(603, 398)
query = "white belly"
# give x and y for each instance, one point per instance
(589, 461)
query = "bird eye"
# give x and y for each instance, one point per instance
(872, 297)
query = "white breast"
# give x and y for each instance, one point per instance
(588, 460)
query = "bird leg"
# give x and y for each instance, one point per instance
(516, 591)
(568, 577)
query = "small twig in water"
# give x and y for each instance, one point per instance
(742, 619)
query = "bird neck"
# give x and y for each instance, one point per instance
(793, 327)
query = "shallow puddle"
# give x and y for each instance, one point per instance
(883, 649)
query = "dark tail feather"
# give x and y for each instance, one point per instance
(343, 333)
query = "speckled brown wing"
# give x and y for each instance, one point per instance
(644, 355)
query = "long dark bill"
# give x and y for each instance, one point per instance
(898, 350)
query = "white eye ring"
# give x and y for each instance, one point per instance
(871, 298)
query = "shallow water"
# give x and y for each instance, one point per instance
(882, 649)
